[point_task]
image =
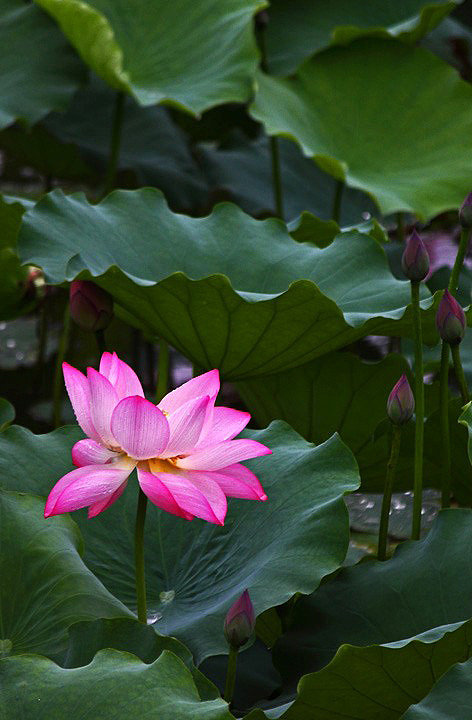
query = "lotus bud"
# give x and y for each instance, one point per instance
(465, 212)
(415, 259)
(401, 403)
(240, 621)
(450, 319)
(90, 306)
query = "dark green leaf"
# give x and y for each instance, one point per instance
(299, 28)
(45, 585)
(450, 698)
(39, 71)
(394, 627)
(115, 686)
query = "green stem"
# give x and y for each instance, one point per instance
(139, 557)
(401, 227)
(61, 353)
(459, 371)
(274, 143)
(115, 142)
(42, 343)
(387, 497)
(338, 194)
(419, 406)
(461, 251)
(101, 343)
(277, 177)
(162, 370)
(231, 674)
(444, 418)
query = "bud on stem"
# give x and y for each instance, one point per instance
(415, 258)
(401, 403)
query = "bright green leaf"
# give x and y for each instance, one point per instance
(194, 55)
(115, 686)
(369, 113)
(45, 585)
(176, 277)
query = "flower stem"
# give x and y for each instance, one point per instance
(461, 251)
(459, 371)
(101, 344)
(387, 497)
(61, 352)
(276, 177)
(338, 195)
(444, 418)
(419, 404)
(231, 674)
(162, 370)
(115, 142)
(400, 227)
(139, 557)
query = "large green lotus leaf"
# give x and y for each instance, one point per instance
(368, 113)
(175, 276)
(86, 638)
(39, 71)
(450, 698)
(393, 627)
(299, 28)
(243, 168)
(196, 570)
(115, 686)
(45, 585)
(193, 55)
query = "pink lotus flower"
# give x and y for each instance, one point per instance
(186, 458)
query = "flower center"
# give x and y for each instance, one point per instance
(169, 465)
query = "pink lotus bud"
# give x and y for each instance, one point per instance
(450, 319)
(415, 259)
(401, 403)
(240, 621)
(90, 306)
(465, 212)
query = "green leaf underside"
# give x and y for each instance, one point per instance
(193, 55)
(450, 698)
(386, 661)
(203, 568)
(115, 686)
(12, 276)
(45, 585)
(416, 160)
(299, 28)
(39, 71)
(341, 393)
(184, 289)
